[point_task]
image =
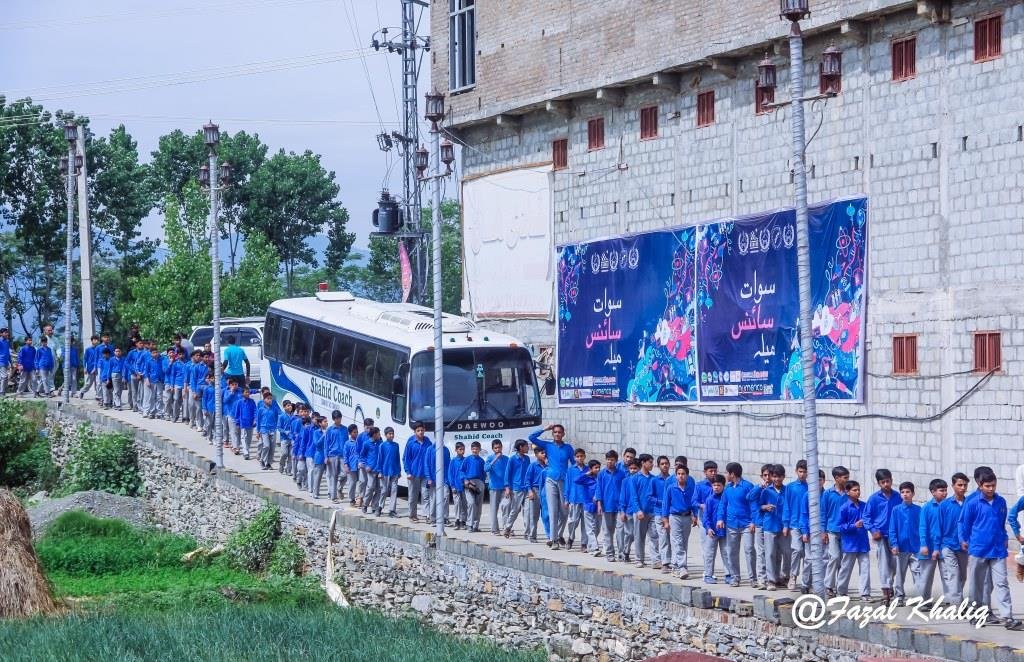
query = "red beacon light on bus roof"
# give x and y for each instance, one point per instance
(321, 287)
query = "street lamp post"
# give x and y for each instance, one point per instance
(208, 176)
(69, 166)
(831, 71)
(442, 154)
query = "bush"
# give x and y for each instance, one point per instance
(32, 470)
(249, 548)
(104, 461)
(17, 433)
(287, 559)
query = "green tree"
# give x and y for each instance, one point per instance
(256, 284)
(290, 199)
(176, 294)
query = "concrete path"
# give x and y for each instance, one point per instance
(194, 441)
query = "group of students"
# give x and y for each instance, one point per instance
(35, 367)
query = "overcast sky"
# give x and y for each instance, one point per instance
(125, 61)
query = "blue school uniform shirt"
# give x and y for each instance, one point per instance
(373, 455)
(44, 358)
(336, 436)
(644, 495)
(229, 401)
(792, 500)
(713, 513)
(5, 352)
(676, 500)
(472, 468)
(831, 503)
(308, 447)
(535, 478)
(586, 488)
(1015, 511)
(284, 426)
(609, 489)
(117, 366)
(929, 528)
(572, 490)
(177, 377)
(105, 369)
(560, 456)
(27, 358)
(702, 492)
(495, 468)
(428, 463)
(905, 528)
(627, 500)
(517, 473)
(350, 450)
(245, 413)
(298, 442)
(950, 511)
(72, 357)
(452, 474)
(266, 417)
(154, 370)
(388, 462)
(199, 372)
(983, 527)
(319, 438)
(92, 358)
(853, 539)
(736, 504)
(412, 457)
(363, 443)
(878, 509)
(208, 398)
(771, 520)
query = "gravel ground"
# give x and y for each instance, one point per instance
(100, 504)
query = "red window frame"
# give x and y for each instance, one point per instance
(904, 58)
(988, 38)
(904, 354)
(595, 133)
(988, 351)
(648, 123)
(706, 108)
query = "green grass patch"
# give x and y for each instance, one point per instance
(250, 632)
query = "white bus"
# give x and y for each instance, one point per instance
(369, 359)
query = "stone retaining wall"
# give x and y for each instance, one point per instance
(519, 600)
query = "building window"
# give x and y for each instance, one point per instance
(706, 108)
(988, 38)
(904, 59)
(461, 44)
(595, 133)
(560, 154)
(827, 87)
(904, 355)
(988, 353)
(763, 97)
(648, 123)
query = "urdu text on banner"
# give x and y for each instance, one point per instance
(709, 314)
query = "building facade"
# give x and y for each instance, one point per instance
(642, 115)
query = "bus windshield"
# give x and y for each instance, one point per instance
(481, 385)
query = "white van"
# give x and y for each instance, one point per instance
(248, 330)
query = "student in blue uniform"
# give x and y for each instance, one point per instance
(105, 369)
(199, 372)
(954, 557)
(876, 514)
(646, 501)
(677, 517)
(284, 432)
(336, 474)
(793, 496)
(412, 463)
(832, 502)
(609, 488)
(209, 399)
(713, 522)
(904, 537)
(535, 495)
(319, 443)
(517, 484)
(575, 499)
(663, 478)
(371, 453)
(267, 416)
(930, 538)
(756, 515)
(45, 363)
(27, 368)
(428, 470)
(739, 526)
(455, 485)
(154, 371)
(299, 447)
(771, 504)
(245, 418)
(471, 475)
(389, 469)
(628, 512)
(91, 360)
(559, 456)
(495, 467)
(853, 534)
(362, 448)
(586, 486)
(350, 463)
(5, 359)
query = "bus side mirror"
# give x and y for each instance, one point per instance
(549, 385)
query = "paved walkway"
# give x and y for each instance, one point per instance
(194, 441)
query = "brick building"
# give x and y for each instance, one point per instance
(642, 115)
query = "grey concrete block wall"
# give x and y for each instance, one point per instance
(940, 156)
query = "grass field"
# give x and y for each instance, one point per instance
(132, 598)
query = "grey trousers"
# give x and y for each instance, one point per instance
(461, 505)
(679, 532)
(353, 484)
(575, 520)
(5, 374)
(195, 406)
(905, 561)
(532, 517)
(92, 382)
(267, 449)
(735, 539)
(245, 436)
(388, 494)
(315, 478)
(664, 539)
(646, 530)
(984, 573)
(499, 505)
(137, 392)
(626, 537)
(46, 384)
(592, 524)
(833, 560)
(172, 396)
(862, 560)
(474, 504)
(284, 465)
(886, 562)
(612, 530)
(760, 553)
(149, 404)
(118, 389)
(926, 575)
(415, 490)
(773, 554)
(371, 497)
(786, 551)
(363, 481)
(27, 381)
(300, 471)
(954, 574)
(558, 513)
(210, 421)
(333, 471)
(712, 545)
(516, 503)
(799, 566)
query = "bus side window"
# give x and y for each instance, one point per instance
(341, 360)
(321, 362)
(398, 393)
